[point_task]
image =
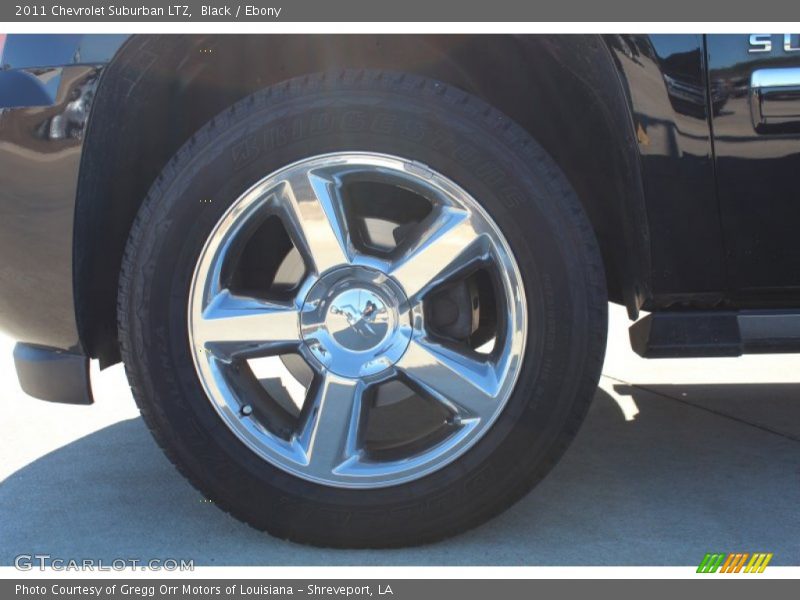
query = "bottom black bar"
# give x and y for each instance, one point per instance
(733, 587)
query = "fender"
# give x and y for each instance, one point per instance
(159, 89)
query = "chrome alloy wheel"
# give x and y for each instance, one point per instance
(360, 317)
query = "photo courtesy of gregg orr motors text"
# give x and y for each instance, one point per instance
(228, 11)
(187, 589)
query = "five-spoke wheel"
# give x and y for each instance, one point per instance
(360, 316)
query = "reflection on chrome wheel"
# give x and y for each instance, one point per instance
(425, 295)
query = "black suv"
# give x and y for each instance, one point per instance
(359, 283)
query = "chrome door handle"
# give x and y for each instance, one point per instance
(775, 98)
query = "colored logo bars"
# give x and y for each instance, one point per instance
(735, 562)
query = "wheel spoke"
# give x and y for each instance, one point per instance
(466, 385)
(329, 434)
(445, 248)
(234, 325)
(315, 221)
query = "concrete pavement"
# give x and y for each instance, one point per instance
(677, 458)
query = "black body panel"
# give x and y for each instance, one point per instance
(666, 81)
(756, 176)
(40, 155)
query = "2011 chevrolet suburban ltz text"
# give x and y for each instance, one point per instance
(359, 283)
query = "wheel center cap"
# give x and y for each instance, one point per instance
(356, 322)
(358, 319)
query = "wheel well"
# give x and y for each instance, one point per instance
(158, 90)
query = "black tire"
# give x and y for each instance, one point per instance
(520, 187)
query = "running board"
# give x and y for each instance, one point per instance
(716, 333)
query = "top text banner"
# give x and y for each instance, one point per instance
(399, 11)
